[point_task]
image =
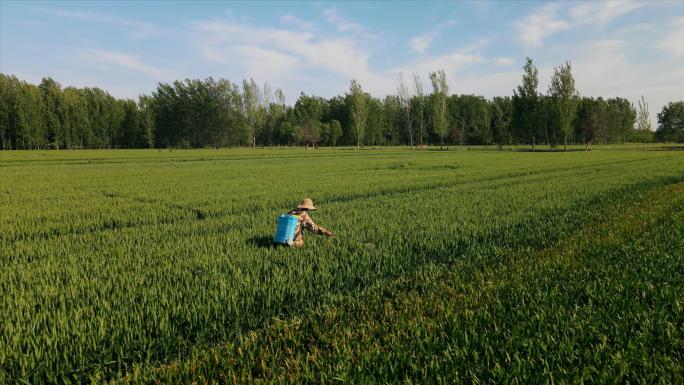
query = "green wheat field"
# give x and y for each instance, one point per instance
(463, 266)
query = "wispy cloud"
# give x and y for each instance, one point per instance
(605, 68)
(128, 62)
(291, 56)
(454, 63)
(604, 12)
(333, 17)
(617, 48)
(673, 42)
(544, 22)
(636, 28)
(477, 45)
(136, 29)
(290, 19)
(421, 42)
(504, 61)
(554, 17)
(267, 60)
(450, 63)
(280, 52)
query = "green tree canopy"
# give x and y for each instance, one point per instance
(671, 123)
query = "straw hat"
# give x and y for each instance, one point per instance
(307, 203)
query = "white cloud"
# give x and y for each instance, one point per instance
(477, 45)
(488, 85)
(281, 55)
(602, 13)
(308, 60)
(297, 22)
(267, 61)
(136, 29)
(450, 63)
(636, 28)
(129, 62)
(603, 72)
(673, 43)
(296, 55)
(533, 29)
(504, 61)
(343, 25)
(421, 42)
(285, 56)
(453, 64)
(602, 68)
(546, 21)
(605, 69)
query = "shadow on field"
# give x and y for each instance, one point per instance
(261, 241)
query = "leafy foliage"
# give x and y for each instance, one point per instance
(564, 99)
(671, 123)
(219, 113)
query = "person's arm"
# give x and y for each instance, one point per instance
(310, 225)
(325, 231)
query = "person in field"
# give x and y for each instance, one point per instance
(305, 222)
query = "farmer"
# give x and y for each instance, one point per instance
(305, 222)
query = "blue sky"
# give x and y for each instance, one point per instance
(616, 48)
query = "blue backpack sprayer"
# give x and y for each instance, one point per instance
(287, 227)
(285, 230)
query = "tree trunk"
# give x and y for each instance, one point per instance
(421, 127)
(546, 133)
(410, 131)
(532, 143)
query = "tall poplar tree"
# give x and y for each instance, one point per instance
(564, 99)
(358, 111)
(643, 120)
(526, 104)
(53, 112)
(420, 95)
(405, 103)
(250, 100)
(440, 90)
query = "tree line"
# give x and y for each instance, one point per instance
(219, 113)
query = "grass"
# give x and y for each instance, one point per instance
(147, 266)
